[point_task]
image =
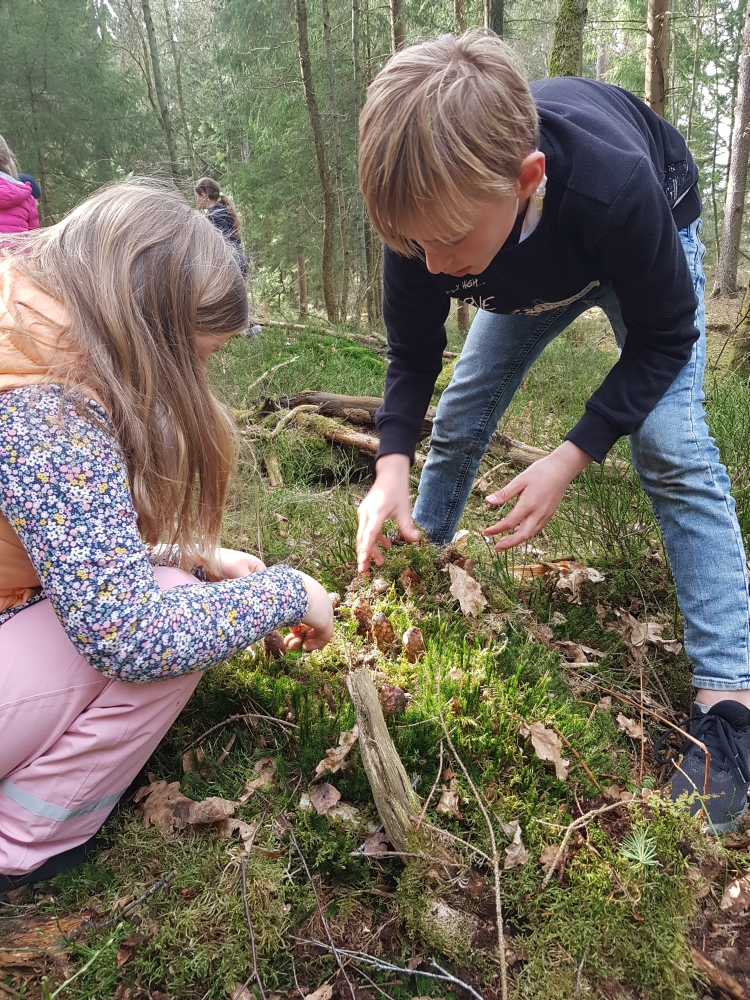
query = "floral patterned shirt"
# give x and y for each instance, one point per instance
(64, 489)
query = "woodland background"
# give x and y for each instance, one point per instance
(265, 97)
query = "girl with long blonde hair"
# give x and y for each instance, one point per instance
(115, 456)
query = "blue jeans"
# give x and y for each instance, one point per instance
(673, 452)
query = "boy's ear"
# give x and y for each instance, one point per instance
(532, 174)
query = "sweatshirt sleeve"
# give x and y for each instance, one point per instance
(642, 253)
(414, 310)
(63, 487)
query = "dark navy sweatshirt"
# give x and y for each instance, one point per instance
(620, 184)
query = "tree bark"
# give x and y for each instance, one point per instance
(494, 16)
(177, 60)
(657, 54)
(734, 205)
(161, 94)
(398, 26)
(360, 221)
(329, 212)
(338, 160)
(302, 283)
(395, 800)
(566, 58)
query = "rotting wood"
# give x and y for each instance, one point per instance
(718, 979)
(355, 409)
(397, 803)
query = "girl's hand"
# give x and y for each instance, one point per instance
(539, 489)
(234, 564)
(316, 628)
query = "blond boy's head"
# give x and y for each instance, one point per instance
(446, 127)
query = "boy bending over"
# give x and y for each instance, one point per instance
(535, 203)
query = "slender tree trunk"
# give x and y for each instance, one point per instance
(360, 210)
(734, 206)
(657, 54)
(566, 58)
(302, 283)
(177, 60)
(398, 25)
(494, 16)
(338, 160)
(694, 81)
(329, 212)
(161, 94)
(373, 246)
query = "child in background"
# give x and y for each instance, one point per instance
(18, 211)
(112, 447)
(222, 213)
(536, 204)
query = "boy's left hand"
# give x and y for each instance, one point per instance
(539, 489)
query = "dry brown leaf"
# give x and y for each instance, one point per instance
(329, 698)
(604, 704)
(240, 992)
(210, 810)
(737, 896)
(382, 631)
(392, 699)
(323, 798)
(163, 805)
(127, 947)
(194, 762)
(572, 575)
(273, 645)
(412, 582)
(227, 828)
(466, 591)
(547, 745)
(265, 768)
(630, 726)
(375, 844)
(516, 854)
(461, 539)
(413, 644)
(548, 857)
(639, 634)
(449, 804)
(363, 615)
(335, 757)
(324, 992)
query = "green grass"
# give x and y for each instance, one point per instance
(610, 920)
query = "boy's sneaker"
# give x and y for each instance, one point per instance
(725, 731)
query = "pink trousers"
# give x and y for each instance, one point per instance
(71, 741)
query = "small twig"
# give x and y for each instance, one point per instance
(464, 843)
(643, 742)
(296, 981)
(238, 718)
(377, 963)
(575, 753)
(161, 884)
(493, 844)
(270, 372)
(578, 974)
(334, 950)
(572, 827)
(432, 790)
(256, 974)
(289, 417)
(670, 725)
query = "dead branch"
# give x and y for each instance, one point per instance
(354, 409)
(256, 974)
(395, 800)
(716, 977)
(240, 718)
(570, 830)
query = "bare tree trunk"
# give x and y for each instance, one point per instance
(177, 60)
(398, 26)
(657, 54)
(301, 271)
(734, 206)
(329, 212)
(339, 162)
(566, 58)
(161, 94)
(373, 246)
(360, 217)
(494, 16)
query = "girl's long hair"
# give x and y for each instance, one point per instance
(212, 189)
(139, 275)
(8, 163)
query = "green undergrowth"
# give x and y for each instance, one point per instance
(608, 923)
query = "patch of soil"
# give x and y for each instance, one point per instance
(724, 938)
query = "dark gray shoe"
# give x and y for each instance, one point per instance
(725, 731)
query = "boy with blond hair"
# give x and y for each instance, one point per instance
(534, 204)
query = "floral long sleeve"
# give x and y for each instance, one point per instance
(64, 489)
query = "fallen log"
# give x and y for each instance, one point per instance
(354, 409)
(718, 979)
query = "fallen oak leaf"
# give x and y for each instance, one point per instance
(210, 810)
(323, 798)
(549, 860)
(466, 591)
(736, 897)
(548, 746)
(163, 805)
(630, 726)
(375, 845)
(265, 768)
(324, 992)
(343, 811)
(335, 757)
(449, 804)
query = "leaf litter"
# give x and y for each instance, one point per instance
(548, 746)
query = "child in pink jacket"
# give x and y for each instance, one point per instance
(17, 205)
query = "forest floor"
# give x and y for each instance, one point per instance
(521, 719)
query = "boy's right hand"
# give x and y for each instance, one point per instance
(316, 628)
(389, 497)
